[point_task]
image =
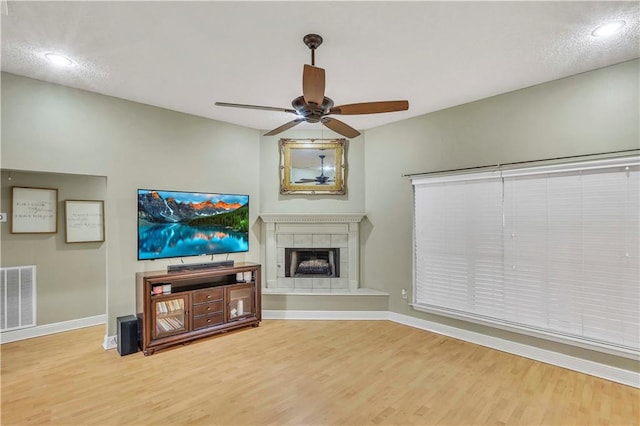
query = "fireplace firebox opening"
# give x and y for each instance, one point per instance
(312, 262)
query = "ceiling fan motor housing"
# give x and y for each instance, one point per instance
(310, 111)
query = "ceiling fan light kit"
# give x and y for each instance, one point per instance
(314, 107)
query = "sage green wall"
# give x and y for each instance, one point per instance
(588, 113)
(52, 128)
(71, 278)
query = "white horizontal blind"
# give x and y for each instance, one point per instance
(549, 249)
(459, 243)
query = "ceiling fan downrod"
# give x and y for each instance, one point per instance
(322, 178)
(313, 41)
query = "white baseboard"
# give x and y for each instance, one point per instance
(618, 375)
(110, 342)
(326, 315)
(46, 329)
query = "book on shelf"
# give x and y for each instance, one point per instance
(174, 322)
(175, 304)
(168, 306)
(164, 325)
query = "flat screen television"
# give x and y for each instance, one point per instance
(180, 224)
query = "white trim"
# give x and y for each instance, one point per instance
(344, 292)
(326, 315)
(46, 329)
(109, 342)
(618, 375)
(311, 218)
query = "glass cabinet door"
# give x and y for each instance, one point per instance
(240, 301)
(169, 315)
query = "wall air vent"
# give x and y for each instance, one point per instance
(17, 297)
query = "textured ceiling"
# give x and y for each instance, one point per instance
(185, 56)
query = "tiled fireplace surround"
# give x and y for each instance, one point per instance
(312, 231)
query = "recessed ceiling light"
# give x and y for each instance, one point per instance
(608, 29)
(59, 60)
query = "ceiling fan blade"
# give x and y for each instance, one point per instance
(370, 107)
(265, 108)
(313, 84)
(340, 127)
(284, 127)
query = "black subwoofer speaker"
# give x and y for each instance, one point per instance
(127, 335)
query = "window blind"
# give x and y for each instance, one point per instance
(551, 250)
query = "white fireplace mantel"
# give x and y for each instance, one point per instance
(341, 229)
(312, 218)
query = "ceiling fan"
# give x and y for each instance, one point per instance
(313, 106)
(318, 180)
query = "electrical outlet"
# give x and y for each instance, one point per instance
(404, 293)
(3, 217)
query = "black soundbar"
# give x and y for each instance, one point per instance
(196, 266)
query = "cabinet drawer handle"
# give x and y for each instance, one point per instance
(208, 296)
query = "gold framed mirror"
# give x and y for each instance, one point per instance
(312, 166)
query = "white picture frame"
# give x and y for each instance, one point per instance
(34, 210)
(84, 221)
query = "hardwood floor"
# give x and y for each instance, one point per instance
(300, 373)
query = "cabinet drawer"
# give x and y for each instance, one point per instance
(208, 295)
(207, 308)
(208, 320)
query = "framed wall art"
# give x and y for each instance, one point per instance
(312, 166)
(34, 210)
(84, 221)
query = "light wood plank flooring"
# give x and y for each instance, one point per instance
(300, 373)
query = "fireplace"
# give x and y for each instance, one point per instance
(312, 262)
(328, 244)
